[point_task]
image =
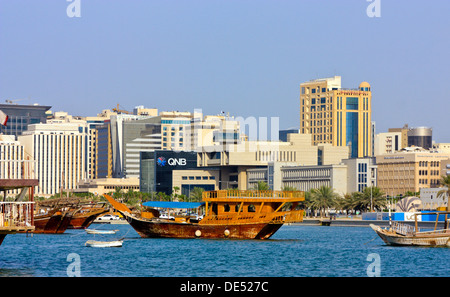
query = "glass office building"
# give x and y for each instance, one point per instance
(157, 169)
(20, 116)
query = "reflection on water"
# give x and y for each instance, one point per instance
(22, 272)
(292, 251)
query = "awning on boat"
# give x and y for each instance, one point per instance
(167, 204)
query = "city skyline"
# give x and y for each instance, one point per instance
(240, 57)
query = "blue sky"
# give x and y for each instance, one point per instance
(245, 57)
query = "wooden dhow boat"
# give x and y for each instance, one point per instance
(400, 234)
(228, 214)
(55, 216)
(86, 215)
(54, 221)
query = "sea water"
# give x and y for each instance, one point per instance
(294, 251)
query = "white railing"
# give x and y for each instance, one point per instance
(403, 229)
(16, 214)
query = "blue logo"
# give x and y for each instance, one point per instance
(161, 161)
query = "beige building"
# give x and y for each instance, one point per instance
(409, 171)
(234, 160)
(388, 143)
(187, 180)
(341, 117)
(107, 185)
(441, 148)
(445, 167)
(404, 134)
(211, 130)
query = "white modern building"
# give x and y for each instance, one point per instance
(362, 173)
(59, 151)
(14, 162)
(279, 175)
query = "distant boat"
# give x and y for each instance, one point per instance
(402, 234)
(228, 214)
(95, 231)
(54, 216)
(101, 244)
(55, 221)
(85, 215)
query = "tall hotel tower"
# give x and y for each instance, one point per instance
(341, 117)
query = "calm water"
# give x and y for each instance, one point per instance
(292, 251)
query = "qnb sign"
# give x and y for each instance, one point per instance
(161, 161)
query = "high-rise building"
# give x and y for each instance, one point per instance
(341, 117)
(130, 135)
(103, 147)
(59, 151)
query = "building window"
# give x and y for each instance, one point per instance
(352, 103)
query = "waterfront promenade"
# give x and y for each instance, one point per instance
(358, 222)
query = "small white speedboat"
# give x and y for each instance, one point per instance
(95, 243)
(94, 231)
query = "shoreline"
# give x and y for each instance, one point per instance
(360, 223)
(338, 222)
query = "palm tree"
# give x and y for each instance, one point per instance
(370, 198)
(347, 202)
(117, 193)
(445, 181)
(262, 186)
(174, 193)
(196, 194)
(323, 198)
(287, 188)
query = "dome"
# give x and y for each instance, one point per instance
(364, 86)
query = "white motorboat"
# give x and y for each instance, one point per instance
(95, 243)
(95, 231)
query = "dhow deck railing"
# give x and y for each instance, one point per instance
(16, 215)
